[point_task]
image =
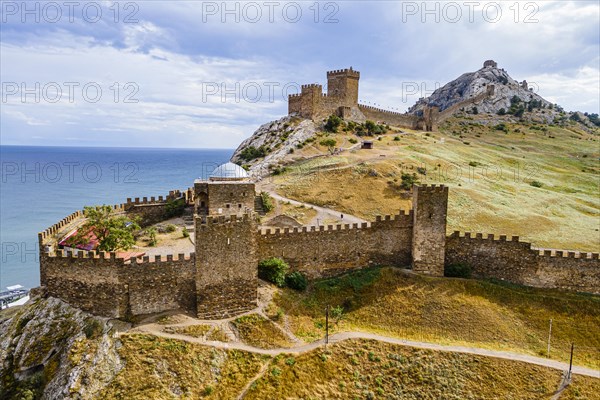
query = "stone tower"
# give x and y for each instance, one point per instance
(490, 64)
(343, 84)
(226, 265)
(430, 208)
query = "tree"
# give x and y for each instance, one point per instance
(332, 124)
(501, 111)
(113, 232)
(273, 270)
(329, 143)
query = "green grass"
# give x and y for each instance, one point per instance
(490, 180)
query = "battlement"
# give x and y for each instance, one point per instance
(488, 236)
(432, 188)
(349, 72)
(312, 85)
(381, 110)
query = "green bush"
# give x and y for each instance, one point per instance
(267, 202)
(296, 280)
(536, 184)
(185, 232)
(332, 124)
(353, 141)
(251, 152)
(408, 180)
(328, 142)
(273, 270)
(170, 228)
(459, 270)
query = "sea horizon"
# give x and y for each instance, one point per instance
(43, 184)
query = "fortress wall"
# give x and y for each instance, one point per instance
(392, 118)
(517, 262)
(226, 266)
(327, 251)
(158, 284)
(89, 283)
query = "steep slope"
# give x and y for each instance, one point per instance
(50, 350)
(272, 142)
(473, 84)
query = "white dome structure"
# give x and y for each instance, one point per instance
(228, 172)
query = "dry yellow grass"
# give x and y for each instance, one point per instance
(197, 331)
(257, 331)
(452, 311)
(371, 370)
(157, 368)
(490, 180)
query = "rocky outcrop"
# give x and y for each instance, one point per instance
(275, 139)
(477, 84)
(50, 350)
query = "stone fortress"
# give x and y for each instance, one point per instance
(341, 99)
(220, 278)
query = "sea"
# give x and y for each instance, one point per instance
(41, 185)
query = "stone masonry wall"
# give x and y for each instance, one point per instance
(113, 287)
(517, 262)
(91, 284)
(337, 249)
(390, 117)
(226, 265)
(163, 284)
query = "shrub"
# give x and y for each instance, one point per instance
(151, 232)
(332, 124)
(408, 180)
(328, 142)
(174, 208)
(296, 280)
(185, 232)
(273, 270)
(536, 184)
(501, 111)
(251, 152)
(353, 141)
(396, 138)
(170, 228)
(267, 202)
(459, 270)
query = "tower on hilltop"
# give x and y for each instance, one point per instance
(343, 84)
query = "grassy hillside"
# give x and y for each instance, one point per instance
(451, 311)
(540, 182)
(160, 368)
(372, 370)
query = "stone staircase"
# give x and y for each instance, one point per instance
(258, 206)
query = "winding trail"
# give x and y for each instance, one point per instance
(322, 212)
(156, 329)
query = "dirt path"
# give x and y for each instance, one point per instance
(322, 212)
(156, 329)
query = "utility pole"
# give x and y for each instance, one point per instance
(549, 336)
(571, 361)
(327, 325)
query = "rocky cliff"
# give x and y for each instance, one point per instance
(50, 350)
(472, 84)
(271, 142)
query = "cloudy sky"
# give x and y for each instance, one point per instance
(207, 74)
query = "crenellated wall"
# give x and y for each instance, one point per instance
(221, 278)
(326, 251)
(518, 262)
(104, 284)
(389, 117)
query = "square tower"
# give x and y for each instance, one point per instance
(226, 265)
(343, 84)
(430, 209)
